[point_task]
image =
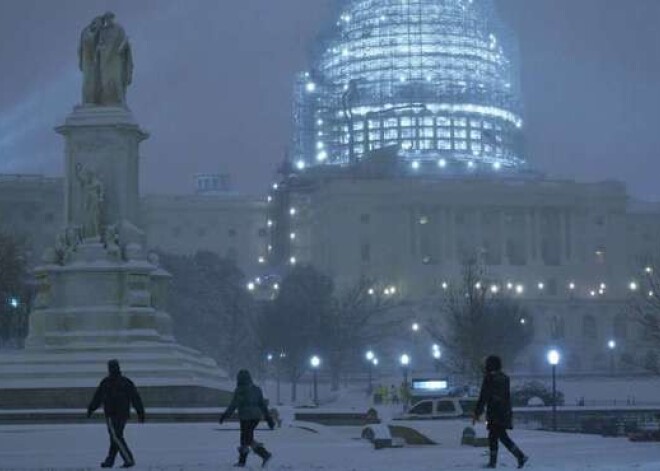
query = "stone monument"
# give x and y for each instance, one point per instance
(100, 294)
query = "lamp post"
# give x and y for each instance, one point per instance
(611, 345)
(269, 361)
(370, 356)
(554, 358)
(278, 370)
(436, 353)
(315, 363)
(404, 360)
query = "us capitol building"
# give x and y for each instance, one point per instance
(407, 158)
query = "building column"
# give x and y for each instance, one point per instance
(563, 242)
(503, 238)
(530, 227)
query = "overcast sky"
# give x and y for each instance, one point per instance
(213, 84)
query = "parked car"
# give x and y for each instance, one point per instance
(440, 408)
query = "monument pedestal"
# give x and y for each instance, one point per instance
(100, 296)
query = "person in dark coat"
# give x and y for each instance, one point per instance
(495, 397)
(117, 394)
(249, 400)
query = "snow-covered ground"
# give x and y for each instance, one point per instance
(201, 447)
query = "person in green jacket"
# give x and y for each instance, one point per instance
(249, 400)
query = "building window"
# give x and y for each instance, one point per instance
(49, 217)
(557, 330)
(262, 232)
(365, 218)
(201, 232)
(232, 233)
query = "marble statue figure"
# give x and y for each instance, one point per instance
(106, 62)
(92, 202)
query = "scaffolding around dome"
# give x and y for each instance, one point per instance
(438, 78)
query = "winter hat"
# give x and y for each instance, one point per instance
(493, 363)
(243, 378)
(113, 368)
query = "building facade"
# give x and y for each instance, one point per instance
(212, 219)
(232, 226)
(408, 160)
(570, 251)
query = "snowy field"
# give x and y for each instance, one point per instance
(211, 447)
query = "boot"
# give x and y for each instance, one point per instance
(107, 464)
(522, 461)
(242, 457)
(262, 453)
(492, 463)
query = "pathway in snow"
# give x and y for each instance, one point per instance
(201, 447)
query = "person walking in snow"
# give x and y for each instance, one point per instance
(249, 400)
(117, 394)
(495, 397)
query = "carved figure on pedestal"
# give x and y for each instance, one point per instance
(112, 242)
(106, 61)
(66, 244)
(93, 199)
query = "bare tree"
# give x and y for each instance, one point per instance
(211, 308)
(644, 304)
(355, 322)
(291, 323)
(476, 318)
(15, 293)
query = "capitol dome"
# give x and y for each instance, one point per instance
(436, 78)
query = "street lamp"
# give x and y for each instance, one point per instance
(278, 369)
(437, 355)
(554, 358)
(415, 327)
(611, 345)
(404, 360)
(315, 363)
(371, 357)
(13, 302)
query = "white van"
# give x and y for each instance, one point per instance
(440, 408)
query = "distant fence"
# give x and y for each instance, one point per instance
(602, 420)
